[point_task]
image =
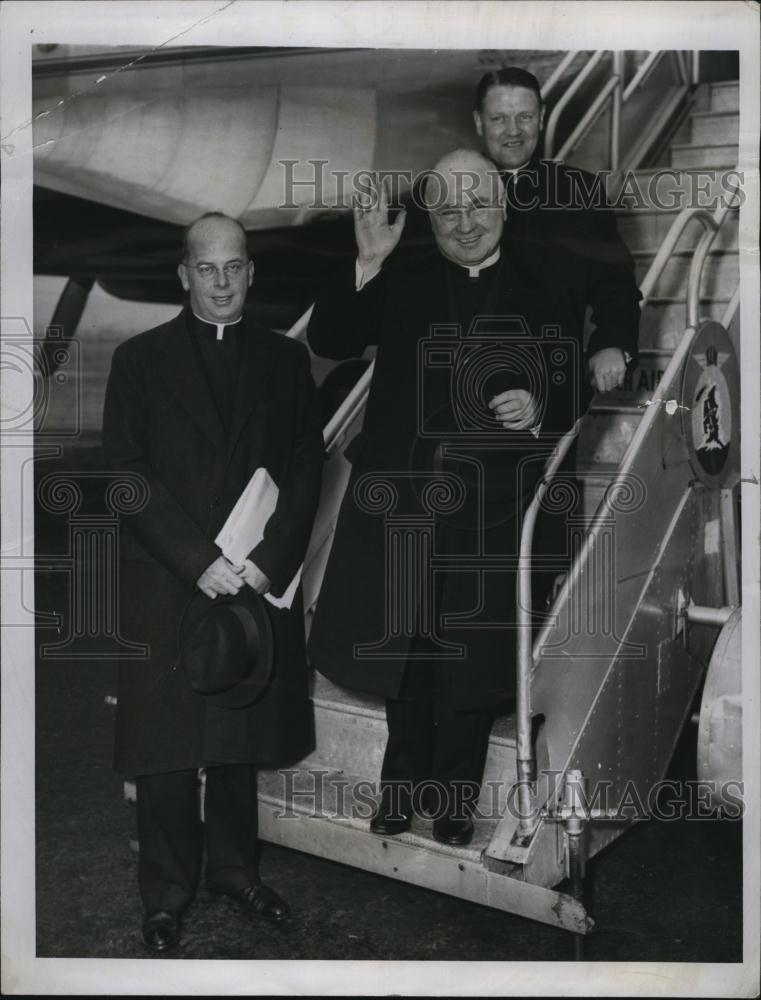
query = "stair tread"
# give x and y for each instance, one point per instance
(669, 299)
(652, 212)
(686, 254)
(652, 171)
(702, 145)
(318, 804)
(714, 112)
(331, 696)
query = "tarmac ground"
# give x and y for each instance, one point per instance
(665, 891)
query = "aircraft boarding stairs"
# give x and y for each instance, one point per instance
(614, 673)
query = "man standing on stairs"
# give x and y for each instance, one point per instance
(560, 229)
(459, 422)
(558, 223)
(192, 409)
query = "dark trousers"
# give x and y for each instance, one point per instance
(435, 754)
(172, 836)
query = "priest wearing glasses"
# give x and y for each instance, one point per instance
(193, 408)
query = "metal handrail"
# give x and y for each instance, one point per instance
(554, 78)
(527, 657)
(589, 66)
(525, 762)
(299, 329)
(342, 419)
(694, 278)
(711, 221)
(644, 70)
(590, 117)
(729, 313)
(613, 89)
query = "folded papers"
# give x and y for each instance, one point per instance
(244, 528)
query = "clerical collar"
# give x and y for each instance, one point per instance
(475, 269)
(220, 327)
(516, 170)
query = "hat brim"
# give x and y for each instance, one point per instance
(250, 612)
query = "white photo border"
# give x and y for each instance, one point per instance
(712, 24)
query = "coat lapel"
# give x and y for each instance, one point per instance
(182, 373)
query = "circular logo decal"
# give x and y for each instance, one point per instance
(711, 419)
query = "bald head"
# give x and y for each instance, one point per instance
(211, 225)
(215, 268)
(465, 201)
(458, 175)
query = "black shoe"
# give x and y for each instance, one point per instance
(260, 901)
(450, 830)
(161, 930)
(394, 812)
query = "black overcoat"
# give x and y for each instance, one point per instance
(360, 636)
(161, 423)
(561, 228)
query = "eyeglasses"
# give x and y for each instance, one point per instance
(209, 271)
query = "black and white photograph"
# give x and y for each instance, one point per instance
(380, 498)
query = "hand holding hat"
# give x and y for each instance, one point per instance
(226, 647)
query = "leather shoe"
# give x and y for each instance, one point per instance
(392, 815)
(262, 902)
(456, 831)
(161, 930)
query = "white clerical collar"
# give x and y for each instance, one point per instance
(517, 170)
(220, 326)
(475, 268)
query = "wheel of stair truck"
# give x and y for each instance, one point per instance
(711, 406)
(720, 727)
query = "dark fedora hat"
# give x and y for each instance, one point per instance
(226, 647)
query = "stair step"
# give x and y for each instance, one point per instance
(307, 806)
(715, 127)
(725, 95)
(659, 190)
(720, 274)
(646, 231)
(351, 733)
(592, 495)
(604, 437)
(706, 155)
(663, 320)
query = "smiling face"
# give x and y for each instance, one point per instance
(466, 208)
(216, 243)
(510, 122)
